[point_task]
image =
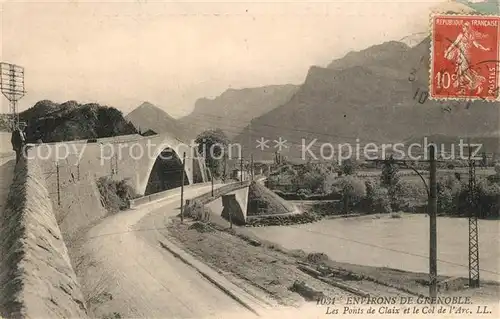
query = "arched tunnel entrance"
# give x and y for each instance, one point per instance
(166, 173)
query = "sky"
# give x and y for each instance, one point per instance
(172, 53)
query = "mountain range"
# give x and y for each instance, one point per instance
(368, 95)
(365, 96)
(233, 110)
(150, 117)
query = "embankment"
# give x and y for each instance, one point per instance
(36, 276)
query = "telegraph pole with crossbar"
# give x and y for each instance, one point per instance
(432, 211)
(12, 87)
(182, 185)
(473, 227)
(432, 223)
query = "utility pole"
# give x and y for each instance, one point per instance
(58, 185)
(182, 185)
(212, 181)
(473, 227)
(250, 146)
(225, 169)
(111, 167)
(241, 170)
(432, 206)
(116, 163)
(251, 166)
(432, 211)
(12, 87)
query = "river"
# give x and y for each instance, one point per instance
(401, 243)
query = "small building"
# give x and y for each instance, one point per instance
(237, 174)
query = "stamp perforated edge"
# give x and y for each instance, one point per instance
(431, 64)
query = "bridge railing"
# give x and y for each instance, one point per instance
(195, 207)
(218, 192)
(157, 196)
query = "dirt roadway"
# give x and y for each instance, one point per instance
(127, 275)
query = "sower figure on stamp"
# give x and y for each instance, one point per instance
(459, 51)
(18, 141)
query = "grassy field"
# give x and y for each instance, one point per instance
(410, 175)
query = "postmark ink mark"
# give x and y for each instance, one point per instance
(421, 96)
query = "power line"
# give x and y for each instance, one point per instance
(203, 120)
(383, 248)
(403, 252)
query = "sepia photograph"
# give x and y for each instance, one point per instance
(239, 159)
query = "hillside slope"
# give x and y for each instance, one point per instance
(234, 109)
(73, 121)
(368, 95)
(148, 116)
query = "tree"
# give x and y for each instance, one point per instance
(213, 145)
(405, 195)
(377, 198)
(389, 176)
(348, 167)
(353, 190)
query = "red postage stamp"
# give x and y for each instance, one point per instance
(464, 57)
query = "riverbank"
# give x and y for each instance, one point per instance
(269, 271)
(399, 243)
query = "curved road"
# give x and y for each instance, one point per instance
(143, 279)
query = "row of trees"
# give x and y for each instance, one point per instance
(454, 196)
(390, 193)
(387, 193)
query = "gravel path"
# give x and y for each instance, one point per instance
(134, 278)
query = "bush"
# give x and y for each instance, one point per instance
(377, 198)
(280, 220)
(448, 191)
(115, 195)
(303, 193)
(317, 258)
(194, 209)
(489, 195)
(395, 215)
(497, 168)
(349, 167)
(201, 227)
(353, 190)
(446, 202)
(407, 194)
(453, 198)
(390, 175)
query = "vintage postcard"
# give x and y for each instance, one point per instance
(240, 159)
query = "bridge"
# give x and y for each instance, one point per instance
(146, 162)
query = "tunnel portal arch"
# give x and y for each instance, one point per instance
(166, 172)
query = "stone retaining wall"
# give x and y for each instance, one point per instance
(36, 276)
